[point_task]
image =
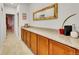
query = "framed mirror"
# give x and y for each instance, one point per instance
(47, 13)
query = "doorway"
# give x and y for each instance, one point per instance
(9, 23)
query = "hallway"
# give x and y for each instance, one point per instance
(13, 46)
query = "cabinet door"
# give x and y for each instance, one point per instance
(42, 45)
(25, 36)
(57, 48)
(34, 43)
(22, 34)
(28, 39)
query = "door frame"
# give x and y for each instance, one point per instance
(5, 20)
(16, 19)
(18, 22)
(12, 19)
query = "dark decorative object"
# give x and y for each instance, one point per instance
(42, 16)
(67, 30)
(26, 25)
(61, 30)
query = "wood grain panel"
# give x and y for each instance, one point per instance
(56, 48)
(28, 39)
(34, 43)
(22, 34)
(42, 45)
(25, 36)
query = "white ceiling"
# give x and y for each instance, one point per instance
(14, 5)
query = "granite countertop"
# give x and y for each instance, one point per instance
(54, 35)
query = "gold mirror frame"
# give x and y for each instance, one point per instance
(54, 16)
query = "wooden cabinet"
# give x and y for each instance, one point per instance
(42, 45)
(25, 36)
(22, 34)
(77, 52)
(56, 48)
(34, 41)
(28, 42)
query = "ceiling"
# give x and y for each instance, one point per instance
(12, 5)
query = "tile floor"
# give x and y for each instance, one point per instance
(14, 46)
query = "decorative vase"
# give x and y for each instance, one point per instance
(74, 32)
(67, 30)
(26, 25)
(61, 31)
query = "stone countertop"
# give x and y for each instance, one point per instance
(54, 35)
